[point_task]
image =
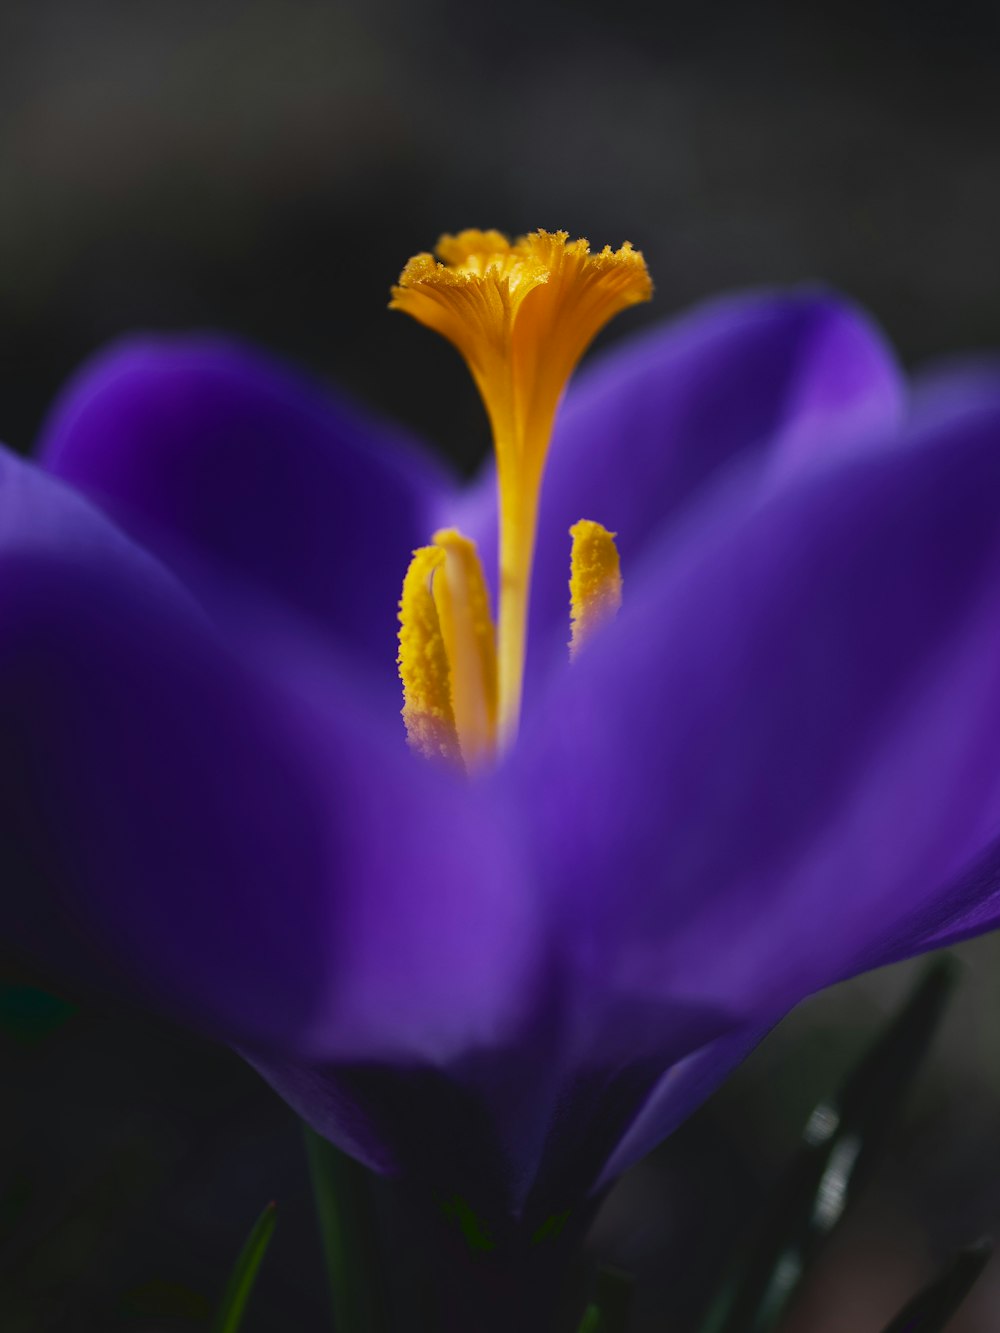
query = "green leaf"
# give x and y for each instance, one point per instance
(29, 1015)
(471, 1226)
(551, 1228)
(611, 1305)
(244, 1274)
(609, 1311)
(344, 1206)
(591, 1321)
(613, 1298)
(842, 1138)
(931, 1309)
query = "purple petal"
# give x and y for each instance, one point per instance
(530, 1123)
(219, 458)
(972, 907)
(277, 873)
(953, 386)
(768, 383)
(780, 762)
(678, 1094)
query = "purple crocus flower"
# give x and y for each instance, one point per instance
(777, 767)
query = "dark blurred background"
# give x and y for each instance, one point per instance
(266, 167)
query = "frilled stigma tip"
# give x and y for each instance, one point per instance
(595, 584)
(476, 292)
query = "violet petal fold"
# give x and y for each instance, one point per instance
(215, 455)
(681, 1090)
(779, 766)
(766, 382)
(275, 872)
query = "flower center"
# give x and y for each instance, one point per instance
(522, 314)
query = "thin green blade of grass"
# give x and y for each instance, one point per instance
(344, 1207)
(241, 1281)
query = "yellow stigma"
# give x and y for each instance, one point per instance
(522, 313)
(595, 581)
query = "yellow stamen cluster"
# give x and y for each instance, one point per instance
(463, 605)
(447, 649)
(521, 313)
(595, 581)
(423, 663)
(447, 654)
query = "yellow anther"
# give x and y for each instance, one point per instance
(463, 607)
(423, 663)
(522, 314)
(595, 583)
